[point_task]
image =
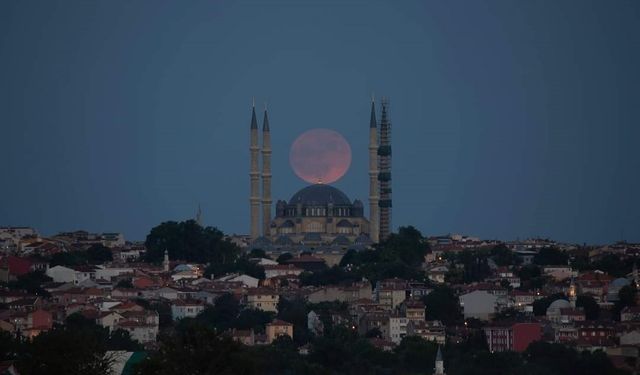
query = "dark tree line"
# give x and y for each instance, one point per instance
(198, 349)
(77, 347)
(188, 241)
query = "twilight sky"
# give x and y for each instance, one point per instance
(510, 119)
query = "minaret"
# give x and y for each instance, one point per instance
(439, 370)
(572, 293)
(636, 281)
(266, 175)
(374, 197)
(254, 174)
(165, 262)
(199, 216)
(384, 176)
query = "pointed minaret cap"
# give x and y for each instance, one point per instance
(265, 121)
(439, 355)
(373, 123)
(254, 122)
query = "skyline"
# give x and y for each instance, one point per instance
(510, 120)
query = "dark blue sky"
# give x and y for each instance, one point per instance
(510, 118)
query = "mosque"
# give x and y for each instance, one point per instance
(320, 216)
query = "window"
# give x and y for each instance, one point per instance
(315, 227)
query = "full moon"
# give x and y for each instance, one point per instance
(320, 156)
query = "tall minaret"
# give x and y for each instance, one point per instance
(254, 174)
(384, 176)
(374, 197)
(266, 175)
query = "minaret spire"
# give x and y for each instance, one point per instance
(439, 370)
(199, 215)
(374, 197)
(266, 175)
(254, 175)
(165, 262)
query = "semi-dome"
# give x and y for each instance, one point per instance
(320, 195)
(558, 304)
(619, 283)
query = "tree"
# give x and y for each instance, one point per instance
(502, 256)
(197, 349)
(550, 256)
(613, 265)
(590, 306)
(295, 312)
(187, 240)
(408, 245)
(223, 313)
(8, 346)
(253, 319)
(98, 254)
(31, 283)
(559, 359)
(284, 257)
(240, 265)
(77, 347)
(124, 283)
(373, 332)
(257, 253)
(120, 339)
(442, 304)
(531, 277)
(541, 305)
(329, 276)
(416, 354)
(626, 298)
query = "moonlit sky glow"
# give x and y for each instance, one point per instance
(511, 119)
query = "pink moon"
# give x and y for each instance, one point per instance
(320, 156)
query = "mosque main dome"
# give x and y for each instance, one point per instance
(318, 214)
(320, 194)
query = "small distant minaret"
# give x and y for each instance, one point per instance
(374, 197)
(572, 293)
(199, 216)
(439, 370)
(266, 175)
(636, 281)
(165, 262)
(254, 174)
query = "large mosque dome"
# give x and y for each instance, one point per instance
(319, 195)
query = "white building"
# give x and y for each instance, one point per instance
(246, 280)
(61, 274)
(262, 299)
(397, 328)
(479, 304)
(186, 309)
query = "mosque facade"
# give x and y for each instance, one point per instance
(320, 216)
